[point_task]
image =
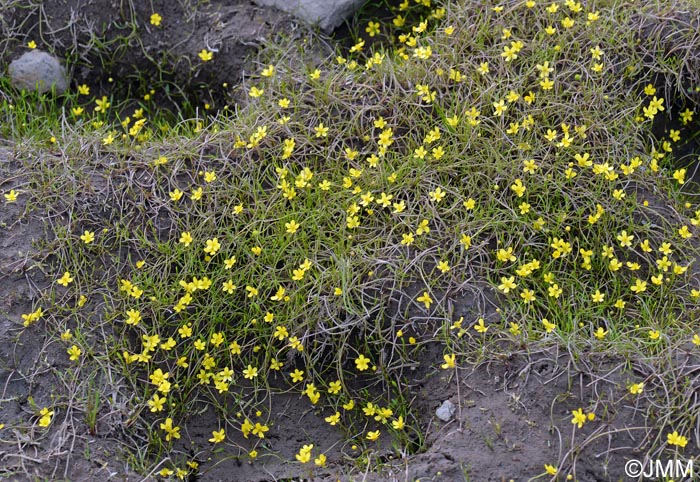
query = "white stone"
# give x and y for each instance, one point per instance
(327, 14)
(37, 70)
(446, 411)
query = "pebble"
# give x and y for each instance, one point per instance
(446, 411)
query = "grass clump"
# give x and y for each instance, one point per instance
(312, 241)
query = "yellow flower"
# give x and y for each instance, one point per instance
(212, 246)
(175, 195)
(687, 116)
(685, 232)
(185, 331)
(480, 327)
(228, 287)
(600, 333)
(250, 372)
(505, 254)
(499, 108)
(102, 104)
(423, 228)
(373, 435)
(548, 326)
(636, 388)
(158, 377)
(579, 418)
(425, 299)
(279, 294)
(74, 353)
(437, 195)
(297, 375)
(133, 317)
(295, 343)
(320, 460)
(625, 239)
(292, 226)
(205, 55)
(449, 361)
(66, 279)
(46, 416)
(333, 419)
(186, 238)
(550, 469)
(372, 28)
(507, 284)
(398, 424)
(362, 363)
(87, 237)
(156, 403)
(156, 19)
(304, 454)
(527, 295)
(554, 290)
(170, 431)
(614, 264)
(679, 175)
(676, 439)
(11, 196)
(218, 436)
(639, 286)
(514, 329)
(321, 130)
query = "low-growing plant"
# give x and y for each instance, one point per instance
(311, 241)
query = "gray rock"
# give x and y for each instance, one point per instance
(327, 14)
(37, 70)
(446, 411)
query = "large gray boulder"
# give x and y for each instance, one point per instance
(327, 14)
(37, 70)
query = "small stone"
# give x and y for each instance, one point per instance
(38, 71)
(446, 411)
(327, 14)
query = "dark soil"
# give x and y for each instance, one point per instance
(685, 152)
(113, 48)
